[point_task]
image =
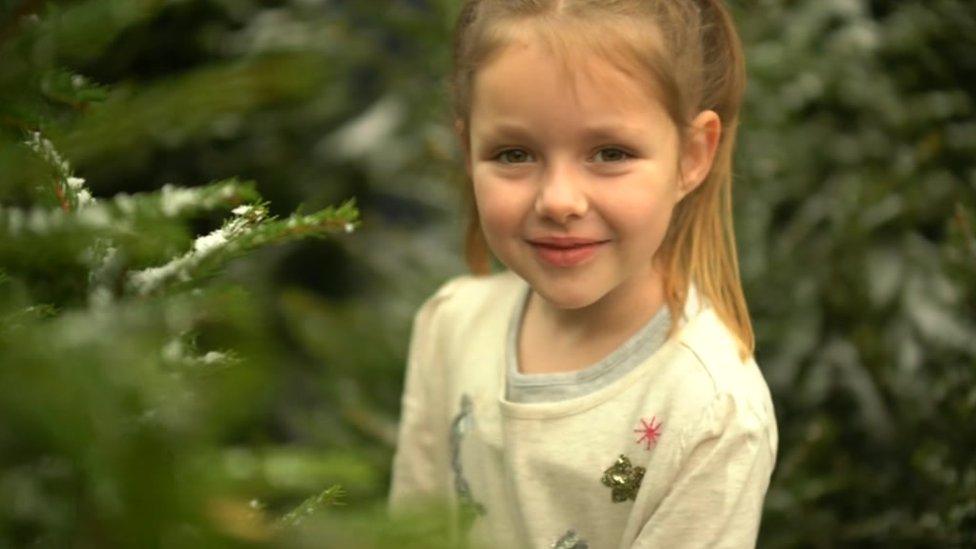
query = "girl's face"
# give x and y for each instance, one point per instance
(575, 173)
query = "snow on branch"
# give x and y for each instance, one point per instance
(123, 212)
(70, 190)
(249, 228)
(182, 268)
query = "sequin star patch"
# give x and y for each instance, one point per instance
(623, 479)
(470, 509)
(570, 540)
(648, 432)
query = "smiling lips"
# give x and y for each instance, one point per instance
(566, 251)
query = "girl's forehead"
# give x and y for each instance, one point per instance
(584, 75)
(586, 57)
(522, 93)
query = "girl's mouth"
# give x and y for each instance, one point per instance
(566, 255)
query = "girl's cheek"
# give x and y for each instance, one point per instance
(494, 211)
(502, 208)
(484, 196)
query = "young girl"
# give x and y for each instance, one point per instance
(601, 392)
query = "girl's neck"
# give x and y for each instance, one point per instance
(616, 315)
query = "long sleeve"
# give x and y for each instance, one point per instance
(717, 496)
(420, 463)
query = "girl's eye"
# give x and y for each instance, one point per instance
(513, 156)
(611, 154)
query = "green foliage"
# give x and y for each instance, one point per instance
(129, 362)
(295, 517)
(854, 201)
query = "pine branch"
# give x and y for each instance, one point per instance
(70, 190)
(173, 111)
(26, 315)
(344, 218)
(123, 212)
(173, 201)
(249, 229)
(329, 496)
(71, 89)
(183, 268)
(182, 353)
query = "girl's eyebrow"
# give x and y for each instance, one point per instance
(594, 132)
(507, 129)
(612, 131)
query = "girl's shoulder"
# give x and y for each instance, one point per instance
(722, 379)
(470, 288)
(466, 300)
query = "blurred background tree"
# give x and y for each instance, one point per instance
(193, 410)
(855, 216)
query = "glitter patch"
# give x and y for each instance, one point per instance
(459, 427)
(623, 479)
(570, 540)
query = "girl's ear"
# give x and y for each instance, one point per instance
(698, 153)
(461, 132)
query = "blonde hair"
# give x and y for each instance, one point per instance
(689, 53)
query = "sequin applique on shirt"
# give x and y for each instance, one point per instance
(623, 479)
(459, 427)
(570, 540)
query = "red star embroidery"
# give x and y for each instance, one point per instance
(649, 432)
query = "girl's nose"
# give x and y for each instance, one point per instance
(560, 195)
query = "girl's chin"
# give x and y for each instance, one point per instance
(568, 292)
(564, 299)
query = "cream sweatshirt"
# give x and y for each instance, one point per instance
(676, 452)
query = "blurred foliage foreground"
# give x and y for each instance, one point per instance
(169, 379)
(132, 371)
